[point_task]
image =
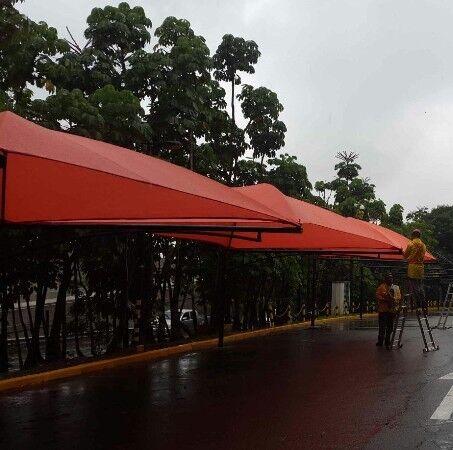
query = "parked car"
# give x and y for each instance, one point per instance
(186, 319)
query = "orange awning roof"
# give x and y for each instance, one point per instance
(397, 239)
(51, 177)
(324, 231)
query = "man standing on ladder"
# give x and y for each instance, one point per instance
(415, 256)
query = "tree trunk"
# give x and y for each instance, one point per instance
(54, 350)
(236, 315)
(234, 155)
(194, 310)
(162, 326)
(215, 309)
(120, 338)
(262, 308)
(16, 334)
(30, 320)
(76, 313)
(124, 322)
(222, 296)
(45, 324)
(4, 332)
(232, 102)
(124, 303)
(34, 355)
(24, 327)
(76, 334)
(91, 331)
(175, 317)
(205, 310)
(64, 336)
(175, 332)
(146, 295)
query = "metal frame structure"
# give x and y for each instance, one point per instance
(447, 309)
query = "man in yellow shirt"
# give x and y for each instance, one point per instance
(386, 310)
(415, 256)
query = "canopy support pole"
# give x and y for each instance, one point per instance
(221, 294)
(351, 286)
(313, 292)
(308, 291)
(361, 292)
(3, 197)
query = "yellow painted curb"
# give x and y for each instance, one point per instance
(35, 379)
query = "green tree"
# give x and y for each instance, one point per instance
(420, 219)
(441, 221)
(347, 168)
(111, 115)
(118, 32)
(24, 45)
(352, 195)
(123, 117)
(289, 176)
(249, 172)
(146, 74)
(189, 100)
(227, 143)
(70, 111)
(261, 107)
(115, 36)
(88, 83)
(395, 216)
(376, 211)
(234, 55)
(324, 190)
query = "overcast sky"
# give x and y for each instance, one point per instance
(370, 76)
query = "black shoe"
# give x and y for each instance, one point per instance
(379, 344)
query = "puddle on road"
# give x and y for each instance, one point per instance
(360, 325)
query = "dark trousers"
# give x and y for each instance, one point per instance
(417, 293)
(385, 327)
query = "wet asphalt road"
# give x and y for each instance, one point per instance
(306, 389)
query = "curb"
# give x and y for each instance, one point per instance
(26, 381)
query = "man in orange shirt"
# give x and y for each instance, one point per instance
(386, 310)
(415, 256)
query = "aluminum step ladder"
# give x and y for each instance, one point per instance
(398, 328)
(447, 309)
(423, 323)
(427, 335)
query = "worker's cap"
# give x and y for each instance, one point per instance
(416, 232)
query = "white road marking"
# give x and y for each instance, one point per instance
(445, 409)
(449, 376)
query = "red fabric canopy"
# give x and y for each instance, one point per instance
(397, 239)
(55, 177)
(324, 231)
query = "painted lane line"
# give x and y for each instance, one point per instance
(445, 409)
(449, 376)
